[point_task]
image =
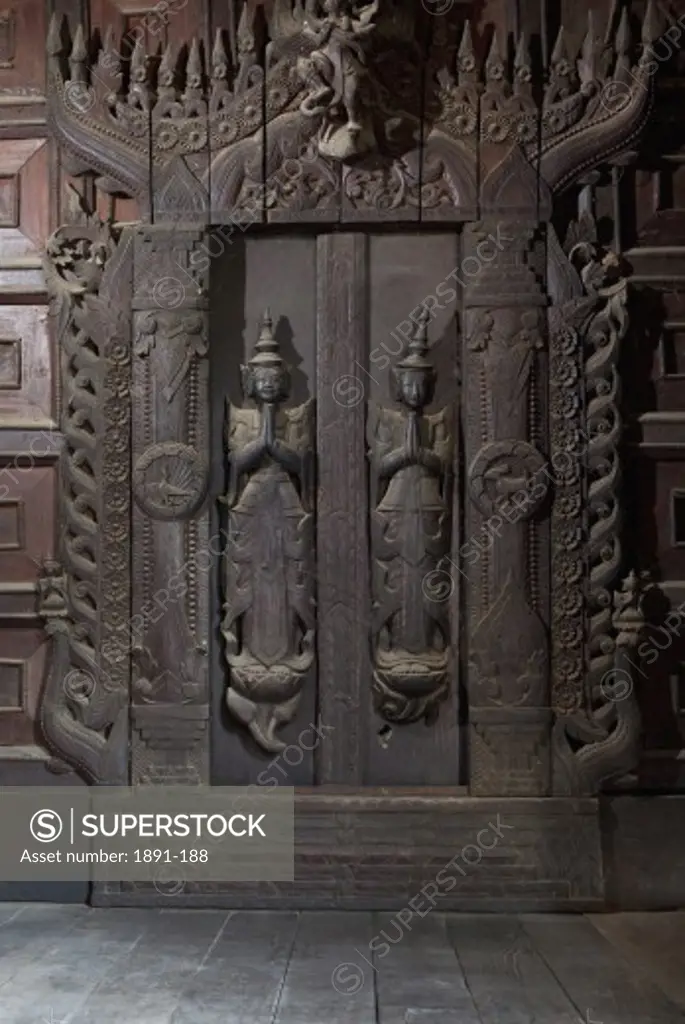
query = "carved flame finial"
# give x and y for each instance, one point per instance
(651, 27)
(495, 70)
(55, 44)
(219, 57)
(466, 57)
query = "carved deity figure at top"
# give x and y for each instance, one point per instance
(335, 71)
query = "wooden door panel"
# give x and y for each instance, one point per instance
(399, 273)
(27, 399)
(410, 274)
(249, 277)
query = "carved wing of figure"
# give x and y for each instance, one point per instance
(298, 431)
(385, 431)
(439, 430)
(242, 426)
(298, 426)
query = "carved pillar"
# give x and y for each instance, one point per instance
(172, 549)
(595, 628)
(504, 363)
(86, 603)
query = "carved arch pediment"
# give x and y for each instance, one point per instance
(346, 115)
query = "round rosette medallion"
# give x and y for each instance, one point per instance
(170, 480)
(508, 476)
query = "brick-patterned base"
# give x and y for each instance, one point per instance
(377, 852)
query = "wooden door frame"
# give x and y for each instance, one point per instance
(486, 155)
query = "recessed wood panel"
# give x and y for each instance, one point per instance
(9, 202)
(12, 525)
(23, 653)
(10, 364)
(668, 519)
(246, 278)
(26, 390)
(11, 685)
(673, 351)
(24, 198)
(27, 518)
(22, 53)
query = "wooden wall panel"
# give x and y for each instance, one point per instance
(27, 532)
(28, 446)
(650, 205)
(22, 57)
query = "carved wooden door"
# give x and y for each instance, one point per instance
(340, 572)
(340, 480)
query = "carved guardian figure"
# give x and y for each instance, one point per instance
(268, 625)
(411, 457)
(336, 71)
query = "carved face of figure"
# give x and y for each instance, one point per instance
(269, 384)
(414, 388)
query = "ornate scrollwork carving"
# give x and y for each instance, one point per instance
(269, 620)
(595, 105)
(84, 710)
(486, 120)
(587, 332)
(411, 456)
(603, 744)
(346, 75)
(341, 74)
